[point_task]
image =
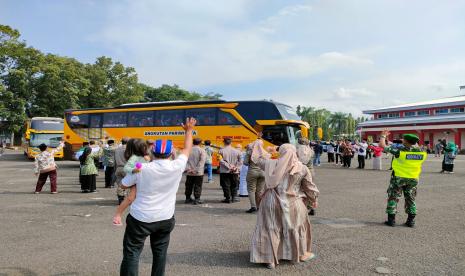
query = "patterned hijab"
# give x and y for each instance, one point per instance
(258, 151)
(288, 163)
(450, 147)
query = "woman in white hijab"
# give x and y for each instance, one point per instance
(283, 230)
(305, 154)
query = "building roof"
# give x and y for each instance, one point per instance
(450, 101)
(414, 120)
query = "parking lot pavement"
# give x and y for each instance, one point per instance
(71, 233)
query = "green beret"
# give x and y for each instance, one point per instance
(411, 138)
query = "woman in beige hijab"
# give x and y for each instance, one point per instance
(283, 230)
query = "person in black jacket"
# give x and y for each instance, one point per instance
(318, 148)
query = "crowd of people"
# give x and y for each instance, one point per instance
(279, 182)
(341, 152)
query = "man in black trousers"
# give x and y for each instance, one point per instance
(230, 166)
(152, 211)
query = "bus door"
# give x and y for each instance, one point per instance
(277, 134)
(95, 127)
(282, 134)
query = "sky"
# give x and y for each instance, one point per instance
(346, 55)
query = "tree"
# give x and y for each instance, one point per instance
(334, 125)
(37, 84)
(59, 86)
(174, 93)
(18, 67)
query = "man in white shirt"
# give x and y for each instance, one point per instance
(362, 153)
(330, 150)
(152, 212)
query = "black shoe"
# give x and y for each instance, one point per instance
(84, 191)
(226, 201)
(197, 202)
(235, 200)
(251, 210)
(311, 212)
(410, 221)
(391, 220)
(189, 200)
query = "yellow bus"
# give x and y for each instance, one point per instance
(43, 130)
(216, 120)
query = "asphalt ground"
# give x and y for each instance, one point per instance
(72, 233)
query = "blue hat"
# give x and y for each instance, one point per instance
(163, 147)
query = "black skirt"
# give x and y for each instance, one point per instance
(447, 167)
(88, 182)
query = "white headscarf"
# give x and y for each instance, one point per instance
(258, 151)
(288, 163)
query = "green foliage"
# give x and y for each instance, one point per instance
(36, 84)
(174, 93)
(335, 125)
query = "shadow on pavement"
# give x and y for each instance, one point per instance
(17, 271)
(107, 202)
(209, 207)
(209, 259)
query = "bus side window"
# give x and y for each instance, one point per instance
(204, 116)
(114, 119)
(140, 119)
(225, 118)
(95, 120)
(78, 121)
(169, 117)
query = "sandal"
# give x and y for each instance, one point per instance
(310, 257)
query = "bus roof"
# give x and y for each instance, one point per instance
(169, 103)
(175, 103)
(47, 119)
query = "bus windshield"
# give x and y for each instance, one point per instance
(51, 140)
(47, 125)
(287, 112)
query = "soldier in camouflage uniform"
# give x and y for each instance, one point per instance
(408, 159)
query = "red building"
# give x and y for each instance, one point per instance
(431, 120)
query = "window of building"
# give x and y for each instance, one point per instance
(114, 119)
(457, 110)
(225, 118)
(169, 117)
(442, 111)
(382, 116)
(410, 114)
(204, 116)
(140, 119)
(394, 115)
(423, 113)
